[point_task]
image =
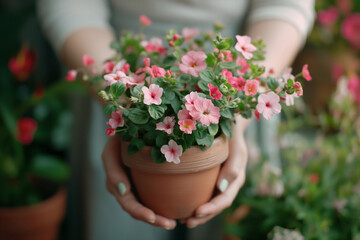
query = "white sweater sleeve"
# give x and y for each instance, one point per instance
(60, 18)
(299, 13)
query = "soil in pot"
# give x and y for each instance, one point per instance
(176, 190)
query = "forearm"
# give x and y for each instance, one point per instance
(92, 41)
(282, 41)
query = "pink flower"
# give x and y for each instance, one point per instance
(167, 125)
(205, 111)
(337, 71)
(144, 20)
(236, 82)
(156, 71)
(116, 120)
(23, 64)
(257, 115)
(354, 87)
(190, 33)
(350, 29)
(154, 45)
(193, 63)
(268, 104)
(172, 152)
(306, 73)
(345, 5)
(190, 100)
(110, 132)
(146, 68)
(71, 75)
(25, 129)
(251, 87)
(328, 17)
(119, 76)
(187, 126)
(290, 99)
(184, 114)
(243, 63)
(228, 57)
(298, 89)
(152, 95)
(314, 178)
(87, 60)
(136, 80)
(244, 46)
(121, 66)
(214, 92)
(109, 66)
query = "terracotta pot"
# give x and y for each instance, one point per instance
(36, 222)
(176, 190)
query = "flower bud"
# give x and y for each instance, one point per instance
(171, 43)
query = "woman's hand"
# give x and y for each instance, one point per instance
(230, 180)
(118, 185)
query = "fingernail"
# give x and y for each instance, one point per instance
(122, 188)
(151, 221)
(193, 226)
(168, 228)
(201, 215)
(223, 185)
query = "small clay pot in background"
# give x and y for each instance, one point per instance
(176, 190)
(36, 222)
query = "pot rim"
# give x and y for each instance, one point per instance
(192, 160)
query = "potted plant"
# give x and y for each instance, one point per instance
(33, 125)
(175, 104)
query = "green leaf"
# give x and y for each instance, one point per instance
(272, 83)
(207, 75)
(157, 111)
(109, 108)
(138, 116)
(230, 41)
(200, 132)
(184, 78)
(133, 129)
(136, 90)
(246, 114)
(135, 145)
(210, 59)
(169, 61)
(117, 89)
(203, 85)
(226, 127)
(213, 129)
(189, 140)
(206, 141)
(175, 69)
(161, 140)
(227, 65)
(226, 113)
(49, 167)
(176, 104)
(290, 82)
(116, 45)
(223, 46)
(169, 97)
(157, 156)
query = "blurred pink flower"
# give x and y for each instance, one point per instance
(268, 104)
(193, 63)
(251, 87)
(257, 115)
(118, 76)
(244, 46)
(345, 5)
(243, 63)
(71, 75)
(205, 111)
(354, 87)
(136, 80)
(110, 132)
(152, 95)
(167, 125)
(154, 45)
(172, 152)
(190, 100)
(25, 129)
(144, 20)
(236, 82)
(350, 29)
(214, 92)
(337, 71)
(190, 33)
(109, 66)
(156, 71)
(87, 60)
(314, 178)
(306, 73)
(298, 89)
(328, 17)
(23, 64)
(187, 126)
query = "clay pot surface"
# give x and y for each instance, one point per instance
(176, 190)
(37, 222)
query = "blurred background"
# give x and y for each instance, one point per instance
(314, 195)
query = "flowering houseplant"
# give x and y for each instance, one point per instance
(177, 95)
(318, 189)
